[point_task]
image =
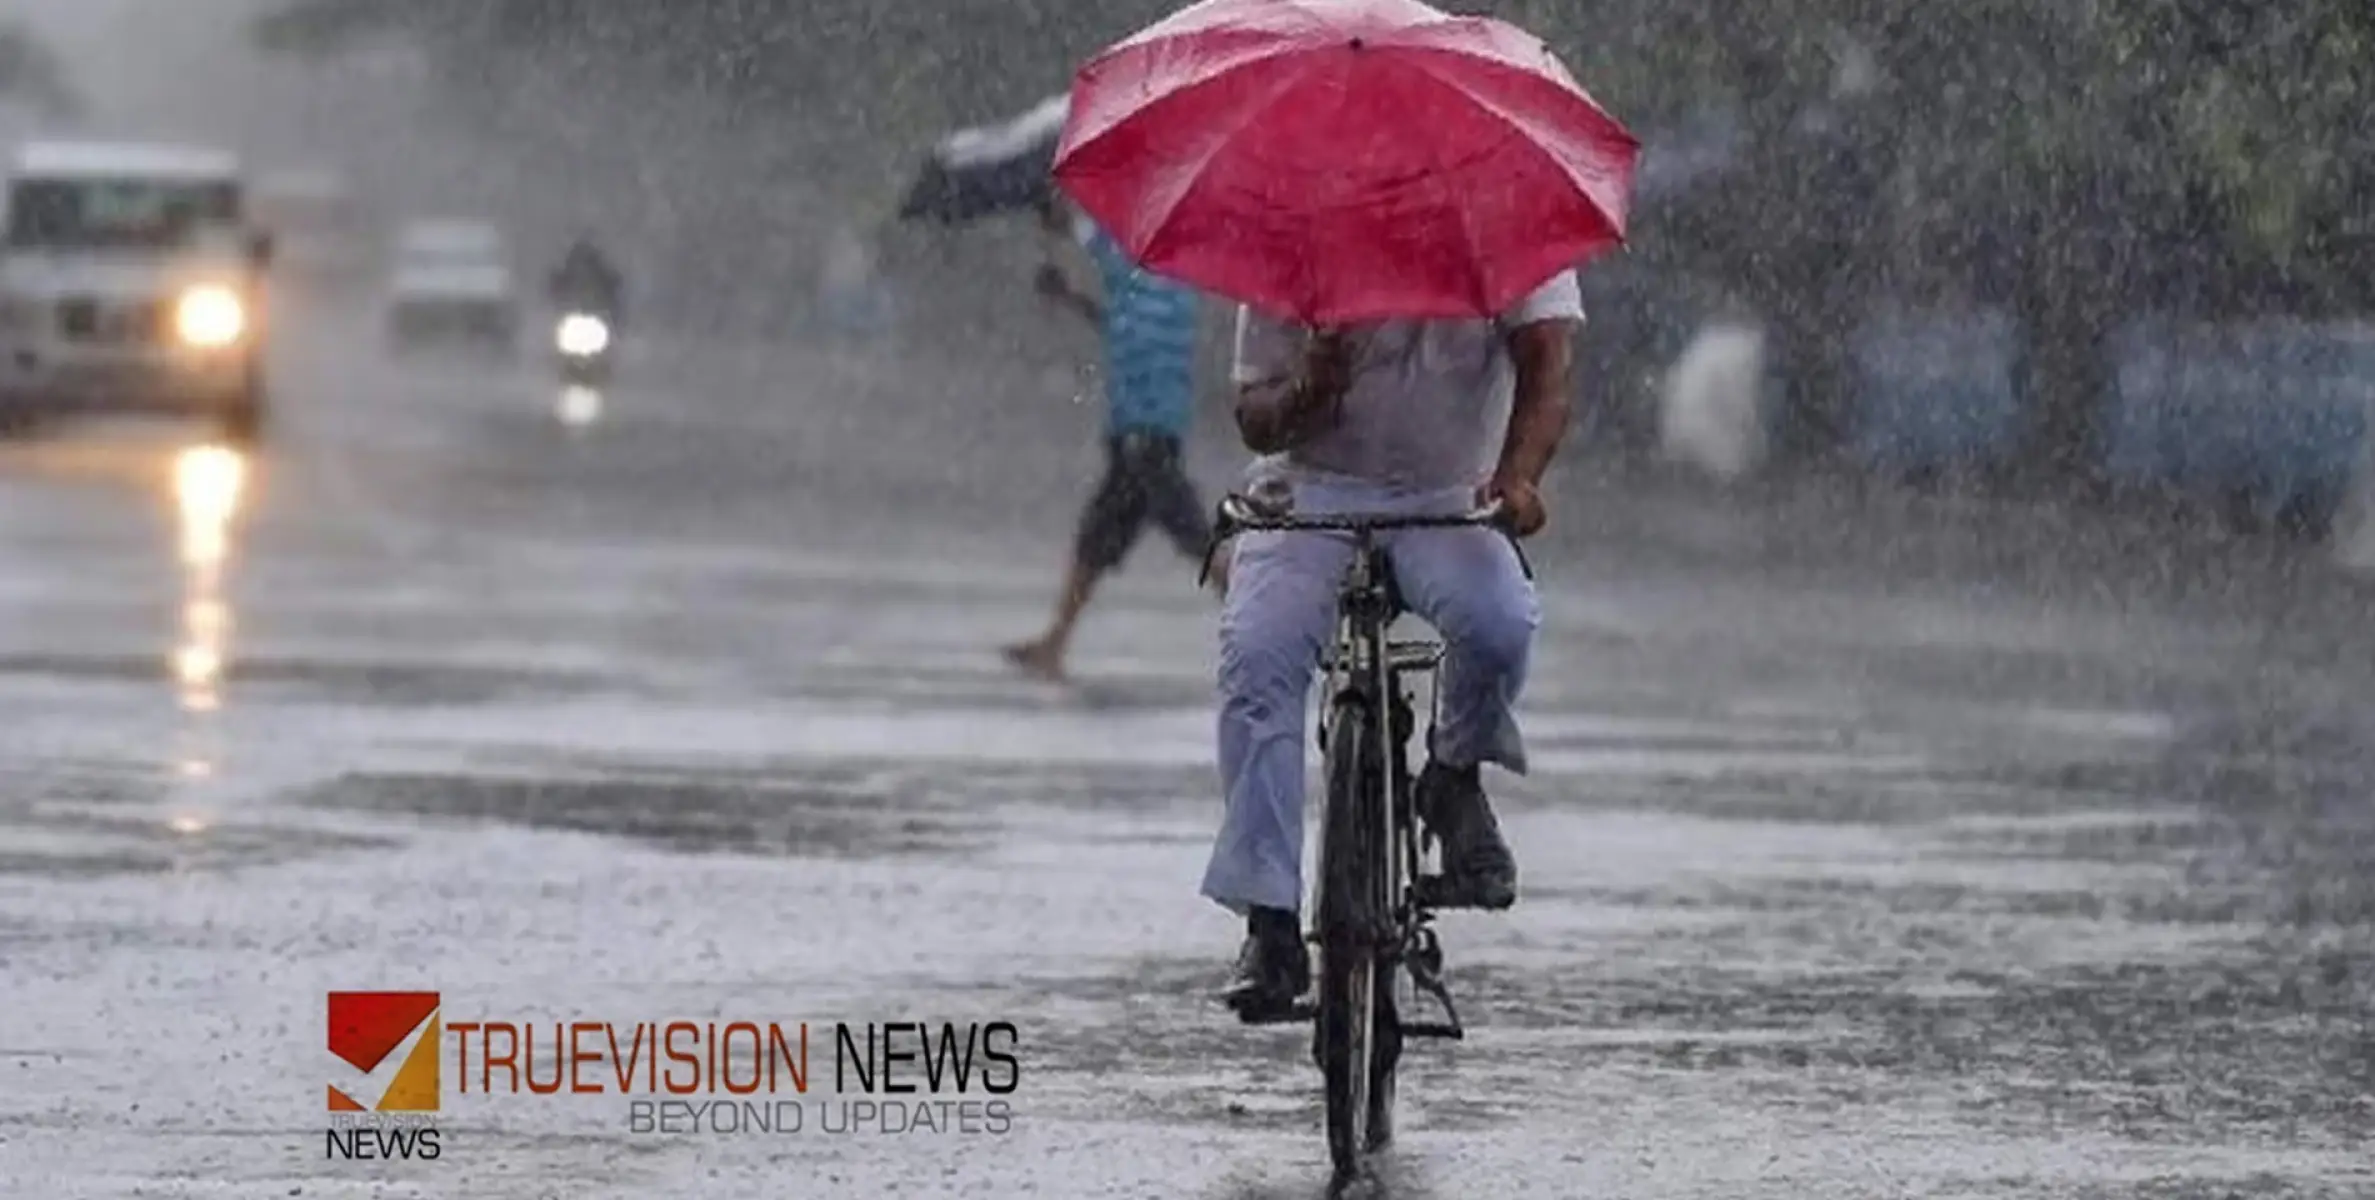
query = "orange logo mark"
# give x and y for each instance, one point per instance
(366, 1030)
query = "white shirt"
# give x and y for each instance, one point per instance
(1428, 405)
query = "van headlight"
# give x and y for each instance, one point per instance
(210, 316)
(582, 335)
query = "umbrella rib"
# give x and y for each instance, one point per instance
(1246, 120)
(1451, 201)
(1174, 79)
(1422, 61)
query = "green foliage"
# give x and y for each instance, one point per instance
(2271, 119)
(1999, 110)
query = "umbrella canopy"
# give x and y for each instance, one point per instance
(989, 169)
(1339, 161)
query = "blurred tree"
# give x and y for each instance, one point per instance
(29, 70)
(2187, 155)
(2074, 159)
(2267, 128)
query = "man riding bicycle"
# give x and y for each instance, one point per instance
(1400, 417)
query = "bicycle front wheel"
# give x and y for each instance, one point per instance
(1353, 913)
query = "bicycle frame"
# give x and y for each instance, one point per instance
(1373, 908)
(1366, 662)
(1373, 904)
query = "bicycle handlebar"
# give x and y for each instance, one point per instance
(1243, 513)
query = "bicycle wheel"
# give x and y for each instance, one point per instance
(1386, 1057)
(1352, 912)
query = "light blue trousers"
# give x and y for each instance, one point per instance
(1280, 613)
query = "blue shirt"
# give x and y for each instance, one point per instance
(1150, 344)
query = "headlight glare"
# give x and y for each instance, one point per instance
(210, 316)
(582, 335)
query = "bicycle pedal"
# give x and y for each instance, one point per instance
(1447, 1031)
(1426, 977)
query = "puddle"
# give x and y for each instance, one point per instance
(830, 815)
(81, 845)
(390, 683)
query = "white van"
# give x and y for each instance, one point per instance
(452, 281)
(130, 281)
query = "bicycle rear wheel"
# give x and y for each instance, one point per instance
(1354, 996)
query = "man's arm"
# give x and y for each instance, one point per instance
(1052, 283)
(1064, 237)
(1544, 352)
(1540, 335)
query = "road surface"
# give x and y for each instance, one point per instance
(1871, 851)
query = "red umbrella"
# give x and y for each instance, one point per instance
(1339, 161)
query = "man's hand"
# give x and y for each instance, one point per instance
(1522, 509)
(1327, 365)
(1281, 414)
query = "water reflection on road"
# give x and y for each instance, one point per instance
(578, 407)
(209, 486)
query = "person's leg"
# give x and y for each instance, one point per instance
(1109, 524)
(1280, 608)
(1273, 622)
(1470, 585)
(1044, 655)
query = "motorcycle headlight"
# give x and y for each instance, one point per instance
(210, 316)
(582, 335)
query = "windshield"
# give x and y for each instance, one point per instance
(111, 213)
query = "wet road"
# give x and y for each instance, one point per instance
(1991, 866)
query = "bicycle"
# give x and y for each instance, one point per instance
(1375, 908)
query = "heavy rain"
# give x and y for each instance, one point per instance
(577, 577)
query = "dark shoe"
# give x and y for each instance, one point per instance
(1478, 870)
(1273, 969)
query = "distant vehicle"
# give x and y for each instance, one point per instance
(318, 227)
(131, 281)
(586, 293)
(453, 281)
